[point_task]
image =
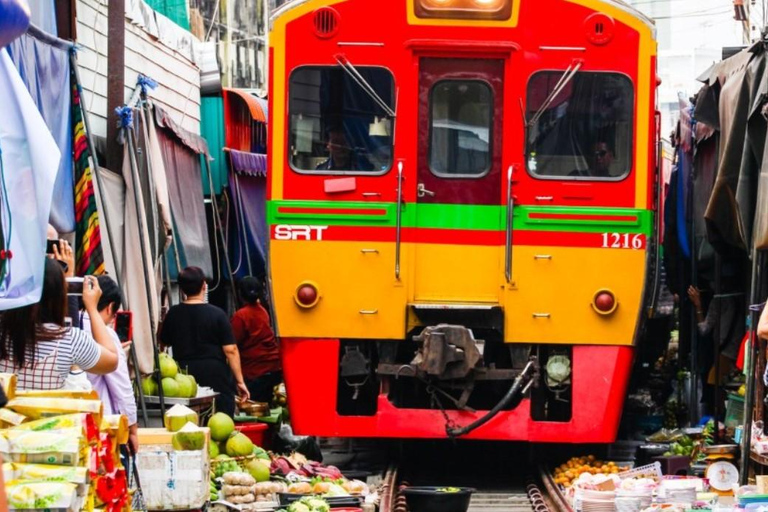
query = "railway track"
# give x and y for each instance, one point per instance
(535, 494)
(496, 490)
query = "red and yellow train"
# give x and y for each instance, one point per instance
(461, 191)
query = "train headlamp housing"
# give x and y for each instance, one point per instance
(464, 9)
(558, 371)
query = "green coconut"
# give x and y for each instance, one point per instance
(185, 385)
(221, 426)
(238, 445)
(149, 386)
(170, 387)
(168, 367)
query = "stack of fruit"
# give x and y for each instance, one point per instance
(232, 451)
(683, 446)
(175, 383)
(568, 472)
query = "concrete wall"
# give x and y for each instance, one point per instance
(178, 77)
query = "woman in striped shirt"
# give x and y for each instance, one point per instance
(36, 345)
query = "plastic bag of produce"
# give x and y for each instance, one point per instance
(59, 447)
(8, 382)
(44, 472)
(116, 425)
(58, 393)
(85, 422)
(11, 419)
(41, 495)
(38, 407)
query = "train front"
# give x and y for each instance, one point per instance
(461, 214)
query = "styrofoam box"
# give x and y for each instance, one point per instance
(173, 480)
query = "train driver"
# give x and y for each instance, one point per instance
(600, 160)
(341, 157)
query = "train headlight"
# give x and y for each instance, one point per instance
(464, 9)
(307, 295)
(558, 370)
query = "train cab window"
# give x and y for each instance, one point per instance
(338, 125)
(461, 117)
(579, 128)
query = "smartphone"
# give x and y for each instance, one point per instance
(50, 244)
(124, 325)
(75, 285)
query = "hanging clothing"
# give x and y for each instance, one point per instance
(724, 215)
(724, 322)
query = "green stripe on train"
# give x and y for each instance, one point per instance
(460, 216)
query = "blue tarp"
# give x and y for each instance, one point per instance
(44, 70)
(249, 191)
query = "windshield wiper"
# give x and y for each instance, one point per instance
(363, 83)
(568, 75)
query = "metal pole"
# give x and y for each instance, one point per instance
(749, 399)
(144, 257)
(716, 342)
(150, 176)
(110, 236)
(694, 394)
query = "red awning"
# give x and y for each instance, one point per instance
(257, 106)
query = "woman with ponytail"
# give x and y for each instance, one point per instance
(259, 351)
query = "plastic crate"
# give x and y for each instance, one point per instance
(734, 411)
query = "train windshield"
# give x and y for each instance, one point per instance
(336, 126)
(584, 131)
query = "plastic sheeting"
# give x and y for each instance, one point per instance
(30, 159)
(185, 189)
(44, 69)
(249, 192)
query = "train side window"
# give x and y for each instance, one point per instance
(336, 125)
(461, 119)
(584, 132)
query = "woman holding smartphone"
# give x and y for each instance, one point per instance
(37, 345)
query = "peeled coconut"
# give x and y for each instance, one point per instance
(258, 469)
(189, 438)
(177, 416)
(221, 426)
(170, 387)
(149, 386)
(168, 367)
(185, 385)
(239, 445)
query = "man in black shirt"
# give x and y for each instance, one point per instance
(203, 343)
